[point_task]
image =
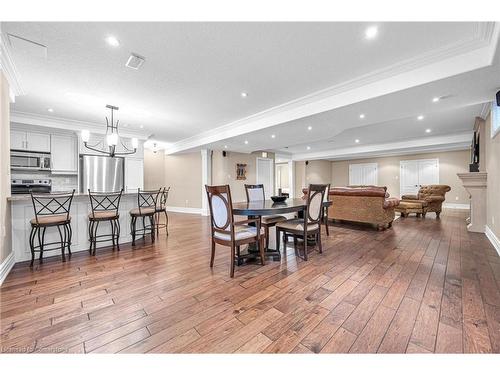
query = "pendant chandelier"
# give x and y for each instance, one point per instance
(111, 138)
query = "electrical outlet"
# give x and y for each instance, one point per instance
(456, 198)
(187, 201)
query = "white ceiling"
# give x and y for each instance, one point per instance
(188, 91)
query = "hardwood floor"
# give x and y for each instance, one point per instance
(423, 286)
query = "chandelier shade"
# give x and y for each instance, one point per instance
(113, 141)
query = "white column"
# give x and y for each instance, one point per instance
(206, 178)
(291, 178)
(476, 183)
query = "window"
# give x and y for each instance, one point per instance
(363, 174)
(495, 119)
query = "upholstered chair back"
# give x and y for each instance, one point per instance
(220, 204)
(315, 199)
(255, 192)
(433, 191)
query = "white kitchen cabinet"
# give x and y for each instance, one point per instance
(134, 174)
(29, 141)
(17, 140)
(39, 142)
(64, 154)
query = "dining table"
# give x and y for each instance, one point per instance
(267, 207)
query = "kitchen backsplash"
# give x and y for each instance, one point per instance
(59, 182)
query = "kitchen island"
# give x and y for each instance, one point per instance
(22, 212)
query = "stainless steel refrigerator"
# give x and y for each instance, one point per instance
(101, 173)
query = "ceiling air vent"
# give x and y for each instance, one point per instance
(135, 61)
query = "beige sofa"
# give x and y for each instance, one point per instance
(363, 204)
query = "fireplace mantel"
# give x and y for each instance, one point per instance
(476, 183)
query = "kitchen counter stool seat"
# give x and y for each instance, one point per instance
(51, 210)
(104, 208)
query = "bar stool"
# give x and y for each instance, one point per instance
(162, 207)
(146, 207)
(51, 210)
(104, 207)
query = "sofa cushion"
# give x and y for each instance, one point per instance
(365, 191)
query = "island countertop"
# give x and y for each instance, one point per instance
(24, 197)
(22, 212)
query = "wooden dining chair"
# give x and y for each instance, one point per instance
(227, 232)
(325, 208)
(314, 215)
(256, 193)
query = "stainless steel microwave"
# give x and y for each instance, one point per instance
(29, 161)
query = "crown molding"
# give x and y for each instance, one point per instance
(453, 142)
(459, 57)
(67, 124)
(8, 67)
(485, 110)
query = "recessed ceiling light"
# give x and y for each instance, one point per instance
(309, 127)
(308, 147)
(246, 142)
(371, 32)
(436, 99)
(273, 135)
(244, 94)
(225, 146)
(356, 140)
(362, 115)
(141, 126)
(50, 110)
(420, 118)
(112, 41)
(428, 130)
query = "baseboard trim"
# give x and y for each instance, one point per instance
(185, 210)
(493, 239)
(457, 206)
(6, 266)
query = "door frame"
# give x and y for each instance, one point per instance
(401, 162)
(271, 170)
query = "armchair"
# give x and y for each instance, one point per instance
(432, 195)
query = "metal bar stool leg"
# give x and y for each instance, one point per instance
(95, 236)
(65, 231)
(33, 233)
(91, 230)
(152, 221)
(118, 229)
(112, 224)
(70, 231)
(62, 243)
(41, 238)
(132, 229)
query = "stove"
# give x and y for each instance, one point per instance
(19, 186)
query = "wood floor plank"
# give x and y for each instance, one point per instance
(422, 286)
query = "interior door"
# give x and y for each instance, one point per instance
(428, 172)
(265, 175)
(415, 173)
(409, 177)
